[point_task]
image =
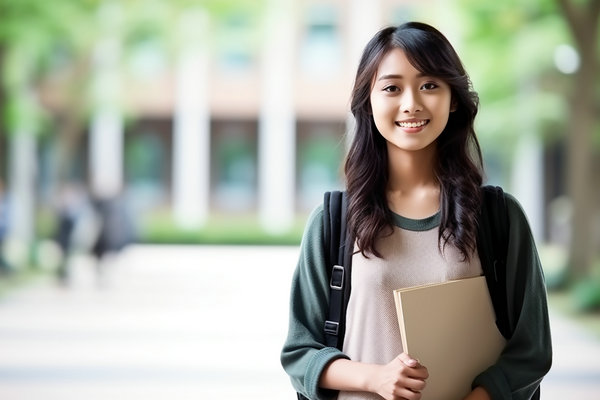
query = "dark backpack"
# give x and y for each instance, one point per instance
(492, 245)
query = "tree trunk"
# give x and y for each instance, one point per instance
(3, 135)
(581, 124)
(69, 124)
(583, 23)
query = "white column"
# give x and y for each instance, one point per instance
(191, 135)
(106, 129)
(528, 181)
(106, 152)
(277, 142)
(366, 19)
(528, 166)
(22, 185)
(22, 161)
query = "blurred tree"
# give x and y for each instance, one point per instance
(49, 47)
(582, 18)
(31, 35)
(510, 48)
(41, 39)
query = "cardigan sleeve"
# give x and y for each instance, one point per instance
(527, 356)
(304, 354)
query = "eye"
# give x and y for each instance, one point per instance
(429, 86)
(391, 89)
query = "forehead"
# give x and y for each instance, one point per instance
(395, 62)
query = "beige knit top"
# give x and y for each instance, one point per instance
(411, 257)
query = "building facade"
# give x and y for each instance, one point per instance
(250, 117)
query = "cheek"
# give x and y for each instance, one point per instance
(447, 104)
(378, 115)
(440, 107)
(380, 108)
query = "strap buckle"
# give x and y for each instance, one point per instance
(332, 328)
(337, 278)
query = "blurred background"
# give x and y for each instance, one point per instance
(130, 128)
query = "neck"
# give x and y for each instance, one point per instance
(413, 190)
(409, 170)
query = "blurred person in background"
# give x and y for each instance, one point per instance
(5, 267)
(77, 226)
(99, 227)
(116, 230)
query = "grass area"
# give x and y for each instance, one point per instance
(563, 301)
(219, 229)
(19, 279)
(579, 302)
(159, 227)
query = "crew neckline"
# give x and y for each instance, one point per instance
(417, 225)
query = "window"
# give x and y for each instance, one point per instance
(320, 48)
(400, 15)
(234, 165)
(320, 154)
(235, 44)
(148, 163)
(147, 59)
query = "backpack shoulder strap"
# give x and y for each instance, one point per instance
(492, 245)
(338, 265)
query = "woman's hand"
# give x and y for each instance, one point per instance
(478, 393)
(402, 378)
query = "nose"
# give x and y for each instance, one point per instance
(410, 102)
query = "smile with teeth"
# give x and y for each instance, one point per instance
(413, 124)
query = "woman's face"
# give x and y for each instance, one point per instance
(410, 109)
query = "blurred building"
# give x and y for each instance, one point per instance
(244, 119)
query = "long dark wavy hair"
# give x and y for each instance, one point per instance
(458, 168)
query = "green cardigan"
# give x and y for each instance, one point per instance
(519, 370)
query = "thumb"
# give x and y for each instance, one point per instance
(408, 360)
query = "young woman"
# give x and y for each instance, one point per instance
(413, 178)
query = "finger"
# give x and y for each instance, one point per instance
(407, 394)
(413, 369)
(419, 372)
(415, 385)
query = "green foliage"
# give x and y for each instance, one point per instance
(562, 302)
(41, 27)
(586, 295)
(554, 260)
(509, 54)
(35, 38)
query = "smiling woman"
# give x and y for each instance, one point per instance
(414, 200)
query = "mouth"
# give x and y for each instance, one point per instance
(412, 124)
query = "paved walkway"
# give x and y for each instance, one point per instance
(187, 323)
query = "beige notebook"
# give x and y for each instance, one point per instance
(450, 327)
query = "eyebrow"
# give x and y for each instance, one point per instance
(396, 76)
